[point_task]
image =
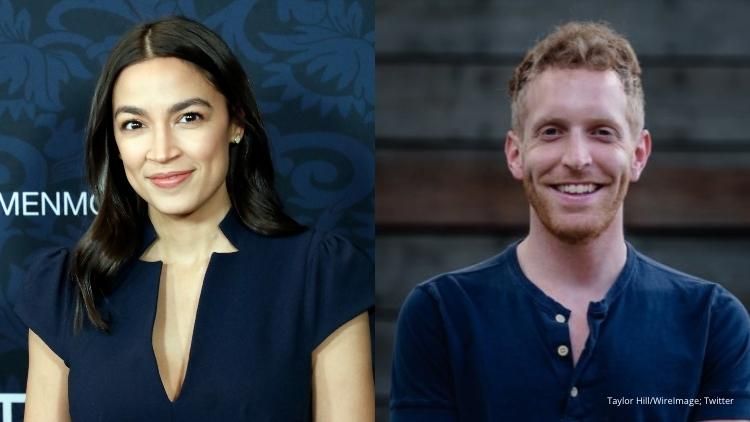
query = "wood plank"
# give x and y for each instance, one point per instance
(473, 189)
(383, 338)
(381, 409)
(383, 350)
(510, 27)
(465, 106)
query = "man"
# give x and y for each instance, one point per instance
(572, 323)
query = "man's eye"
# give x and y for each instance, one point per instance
(190, 117)
(549, 132)
(605, 132)
(131, 125)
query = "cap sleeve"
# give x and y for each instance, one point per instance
(342, 284)
(45, 304)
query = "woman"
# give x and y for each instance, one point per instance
(192, 296)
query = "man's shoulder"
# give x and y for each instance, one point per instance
(479, 276)
(658, 279)
(455, 294)
(655, 274)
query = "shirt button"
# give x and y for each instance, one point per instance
(562, 350)
(574, 392)
(560, 318)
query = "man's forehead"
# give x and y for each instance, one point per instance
(576, 92)
(558, 75)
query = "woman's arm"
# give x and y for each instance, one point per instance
(343, 388)
(47, 386)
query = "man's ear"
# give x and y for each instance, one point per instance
(513, 155)
(640, 155)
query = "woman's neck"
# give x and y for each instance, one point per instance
(190, 238)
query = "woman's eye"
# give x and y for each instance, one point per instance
(131, 125)
(190, 117)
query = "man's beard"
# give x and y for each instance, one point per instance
(575, 234)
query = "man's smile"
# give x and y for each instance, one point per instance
(577, 188)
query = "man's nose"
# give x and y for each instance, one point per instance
(577, 155)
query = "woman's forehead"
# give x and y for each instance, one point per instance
(162, 81)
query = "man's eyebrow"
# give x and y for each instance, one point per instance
(173, 109)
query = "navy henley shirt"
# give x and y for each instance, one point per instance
(485, 344)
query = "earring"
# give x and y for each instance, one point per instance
(236, 139)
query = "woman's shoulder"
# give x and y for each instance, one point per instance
(241, 234)
(48, 265)
(314, 242)
(306, 237)
(46, 300)
(341, 281)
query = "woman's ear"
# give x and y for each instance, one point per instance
(237, 131)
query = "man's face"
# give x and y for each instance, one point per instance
(577, 153)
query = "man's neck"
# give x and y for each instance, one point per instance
(573, 274)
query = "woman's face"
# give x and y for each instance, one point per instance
(173, 130)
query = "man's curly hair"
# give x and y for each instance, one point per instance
(580, 45)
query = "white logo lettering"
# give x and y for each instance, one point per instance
(27, 202)
(12, 204)
(7, 401)
(33, 204)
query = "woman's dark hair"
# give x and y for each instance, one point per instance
(114, 236)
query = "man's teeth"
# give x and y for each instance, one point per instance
(577, 188)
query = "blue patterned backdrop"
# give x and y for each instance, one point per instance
(311, 63)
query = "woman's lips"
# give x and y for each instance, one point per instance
(171, 179)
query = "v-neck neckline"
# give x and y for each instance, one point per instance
(156, 290)
(229, 226)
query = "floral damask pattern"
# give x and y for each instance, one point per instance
(34, 69)
(312, 66)
(329, 58)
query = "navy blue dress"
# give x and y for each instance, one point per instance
(262, 311)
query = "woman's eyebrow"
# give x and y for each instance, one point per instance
(130, 110)
(187, 103)
(173, 109)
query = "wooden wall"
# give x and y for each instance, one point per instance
(444, 197)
